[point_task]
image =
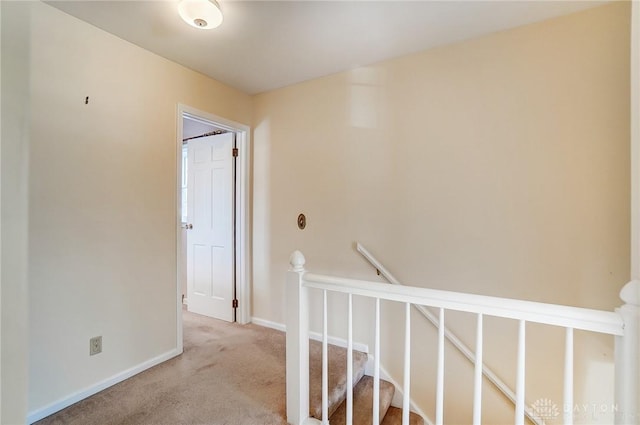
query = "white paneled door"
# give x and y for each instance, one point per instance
(210, 250)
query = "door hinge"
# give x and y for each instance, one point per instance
(234, 303)
(235, 152)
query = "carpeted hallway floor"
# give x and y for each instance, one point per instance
(228, 375)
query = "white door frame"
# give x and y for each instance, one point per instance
(243, 228)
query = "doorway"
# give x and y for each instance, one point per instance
(213, 146)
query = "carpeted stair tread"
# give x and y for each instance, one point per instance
(363, 403)
(337, 376)
(394, 417)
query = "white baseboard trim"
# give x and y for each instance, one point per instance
(340, 342)
(398, 395)
(269, 324)
(316, 336)
(54, 407)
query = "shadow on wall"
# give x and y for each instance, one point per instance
(264, 291)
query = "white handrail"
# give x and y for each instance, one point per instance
(453, 339)
(548, 314)
(624, 324)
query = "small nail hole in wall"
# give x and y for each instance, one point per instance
(302, 221)
(86, 100)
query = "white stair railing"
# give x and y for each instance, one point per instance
(475, 358)
(623, 324)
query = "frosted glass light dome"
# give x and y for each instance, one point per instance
(202, 14)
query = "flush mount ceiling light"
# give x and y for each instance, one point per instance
(203, 14)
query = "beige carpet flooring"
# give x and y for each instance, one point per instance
(229, 374)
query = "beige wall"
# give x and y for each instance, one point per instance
(635, 141)
(13, 214)
(102, 211)
(498, 165)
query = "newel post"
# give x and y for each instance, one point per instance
(297, 354)
(627, 354)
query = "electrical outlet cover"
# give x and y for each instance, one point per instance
(95, 345)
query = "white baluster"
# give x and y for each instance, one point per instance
(376, 367)
(350, 362)
(477, 379)
(325, 362)
(440, 372)
(407, 365)
(297, 342)
(568, 377)
(519, 419)
(627, 395)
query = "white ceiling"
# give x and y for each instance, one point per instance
(263, 45)
(193, 128)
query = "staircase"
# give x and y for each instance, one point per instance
(362, 390)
